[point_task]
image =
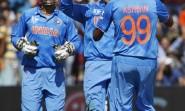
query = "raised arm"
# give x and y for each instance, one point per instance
(75, 11)
(163, 15)
(103, 24)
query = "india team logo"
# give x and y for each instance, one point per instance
(58, 21)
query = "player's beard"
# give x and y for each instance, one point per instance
(47, 6)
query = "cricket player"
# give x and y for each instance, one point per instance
(46, 36)
(135, 50)
(98, 55)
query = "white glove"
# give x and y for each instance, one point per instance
(29, 49)
(62, 52)
(70, 47)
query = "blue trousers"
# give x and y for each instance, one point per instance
(43, 83)
(129, 75)
(97, 84)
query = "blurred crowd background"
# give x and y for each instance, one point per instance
(171, 61)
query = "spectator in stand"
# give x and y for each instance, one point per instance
(2, 44)
(8, 68)
(33, 3)
(178, 46)
(182, 16)
(169, 75)
(174, 5)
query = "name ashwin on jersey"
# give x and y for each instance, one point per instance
(135, 9)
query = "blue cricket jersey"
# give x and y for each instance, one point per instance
(135, 26)
(56, 29)
(89, 15)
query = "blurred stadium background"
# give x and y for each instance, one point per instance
(170, 79)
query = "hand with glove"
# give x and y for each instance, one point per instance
(30, 49)
(62, 52)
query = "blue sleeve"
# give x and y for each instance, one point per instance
(72, 36)
(161, 11)
(103, 24)
(19, 31)
(75, 11)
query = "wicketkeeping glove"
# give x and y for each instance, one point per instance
(30, 49)
(62, 52)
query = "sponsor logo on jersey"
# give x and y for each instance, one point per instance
(34, 19)
(44, 31)
(97, 12)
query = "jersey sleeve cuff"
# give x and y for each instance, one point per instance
(165, 20)
(100, 29)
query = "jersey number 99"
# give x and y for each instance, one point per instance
(136, 28)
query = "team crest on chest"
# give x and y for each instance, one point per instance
(58, 21)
